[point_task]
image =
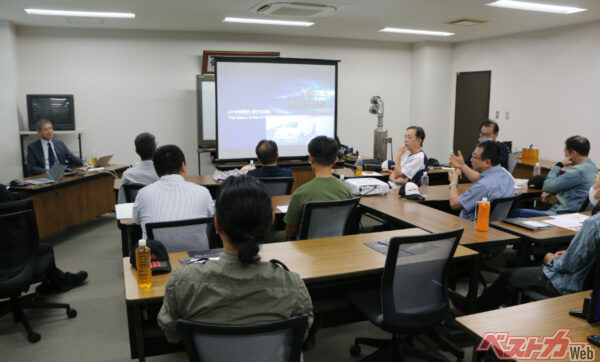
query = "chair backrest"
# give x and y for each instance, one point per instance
(500, 207)
(322, 219)
(586, 206)
(131, 191)
(414, 290)
(276, 186)
(19, 244)
(181, 235)
(274, 341)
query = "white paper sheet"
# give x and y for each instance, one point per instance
(568, 221)
(124, 211)
(283, 208)
(535, 224)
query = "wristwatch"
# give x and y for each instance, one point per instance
(453, 183)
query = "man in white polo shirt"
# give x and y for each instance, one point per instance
(171, 197)
(410, 167)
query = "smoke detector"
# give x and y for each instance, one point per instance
(281, 8)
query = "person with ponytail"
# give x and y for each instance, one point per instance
(238, 288)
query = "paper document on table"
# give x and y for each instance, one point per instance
(124, 211)
(568, 221)
(283, 208)
(447, 168)
(535, 224)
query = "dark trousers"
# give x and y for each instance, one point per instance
(509, 281)
(46, 268)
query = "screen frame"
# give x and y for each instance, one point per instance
(277, 60)
(57, 126)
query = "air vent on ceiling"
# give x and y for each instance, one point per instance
(466, 22)
(293, 9)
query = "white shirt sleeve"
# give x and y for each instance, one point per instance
(413, 164)
(592, 194)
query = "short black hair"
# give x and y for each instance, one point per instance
(244, 212)
(489, 122)
(266, 151)
(145, 145)
(41, 122)
(419, 133)
(579, 144)
(323, 149)
(167, 160)
(491, 151)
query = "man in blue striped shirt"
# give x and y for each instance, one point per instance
(171, 197)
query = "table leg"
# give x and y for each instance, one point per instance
(473, 284)
(139, 332)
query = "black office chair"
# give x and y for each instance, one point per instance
(19, 243)
(273, 341)
(276, 186)
(184, 235)
(131, 191)
(412, 298)
(322, 219)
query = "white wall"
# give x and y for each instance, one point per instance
(548, 81)
(431, 103)
(10, 155)
(126, 82)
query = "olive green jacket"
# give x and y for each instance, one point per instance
(225, 291)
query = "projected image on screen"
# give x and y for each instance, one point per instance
(290, 103)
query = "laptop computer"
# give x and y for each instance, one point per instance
(54, 173)
(103, 161)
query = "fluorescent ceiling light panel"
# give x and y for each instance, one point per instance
(88, 14)
(547, 8)
(266, 22)
(414, 31)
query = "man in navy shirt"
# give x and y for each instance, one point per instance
(267, 154)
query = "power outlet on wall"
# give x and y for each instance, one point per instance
(506, 115)
(497, 114)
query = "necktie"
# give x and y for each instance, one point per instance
(51, 158)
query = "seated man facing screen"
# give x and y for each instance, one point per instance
(572, 187)
(267, 154)
(171, 197)
(45, 152)
(410, 168)
(563, 272)
(494, 181)
(144, 174)
(322, 153)
(488, 131)
(238, 288)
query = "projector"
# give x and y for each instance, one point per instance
(367, 186)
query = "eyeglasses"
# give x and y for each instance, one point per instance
(486, 135)
(475, 157)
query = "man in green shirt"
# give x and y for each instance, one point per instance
(322, 152)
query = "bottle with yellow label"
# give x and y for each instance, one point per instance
(359, 166)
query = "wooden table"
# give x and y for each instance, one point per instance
(541, 318)
(413, 214)
(525, 169)
(71, 200)
(328, 266)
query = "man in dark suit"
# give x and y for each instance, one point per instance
(45, 152)
(268, 154)
(488, 131)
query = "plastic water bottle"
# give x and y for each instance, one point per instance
(483, 214)
(424, 183)
(252, 166)
(537, 169)
(142, 263)
(359, 166)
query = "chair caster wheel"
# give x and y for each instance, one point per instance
(355, 350)
(34, 337)
(72, 313)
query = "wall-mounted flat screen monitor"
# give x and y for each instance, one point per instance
(287, 100)
(57, 108)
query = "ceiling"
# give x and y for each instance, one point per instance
(354, 19)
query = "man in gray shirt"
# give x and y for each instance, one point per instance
(144, 174)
